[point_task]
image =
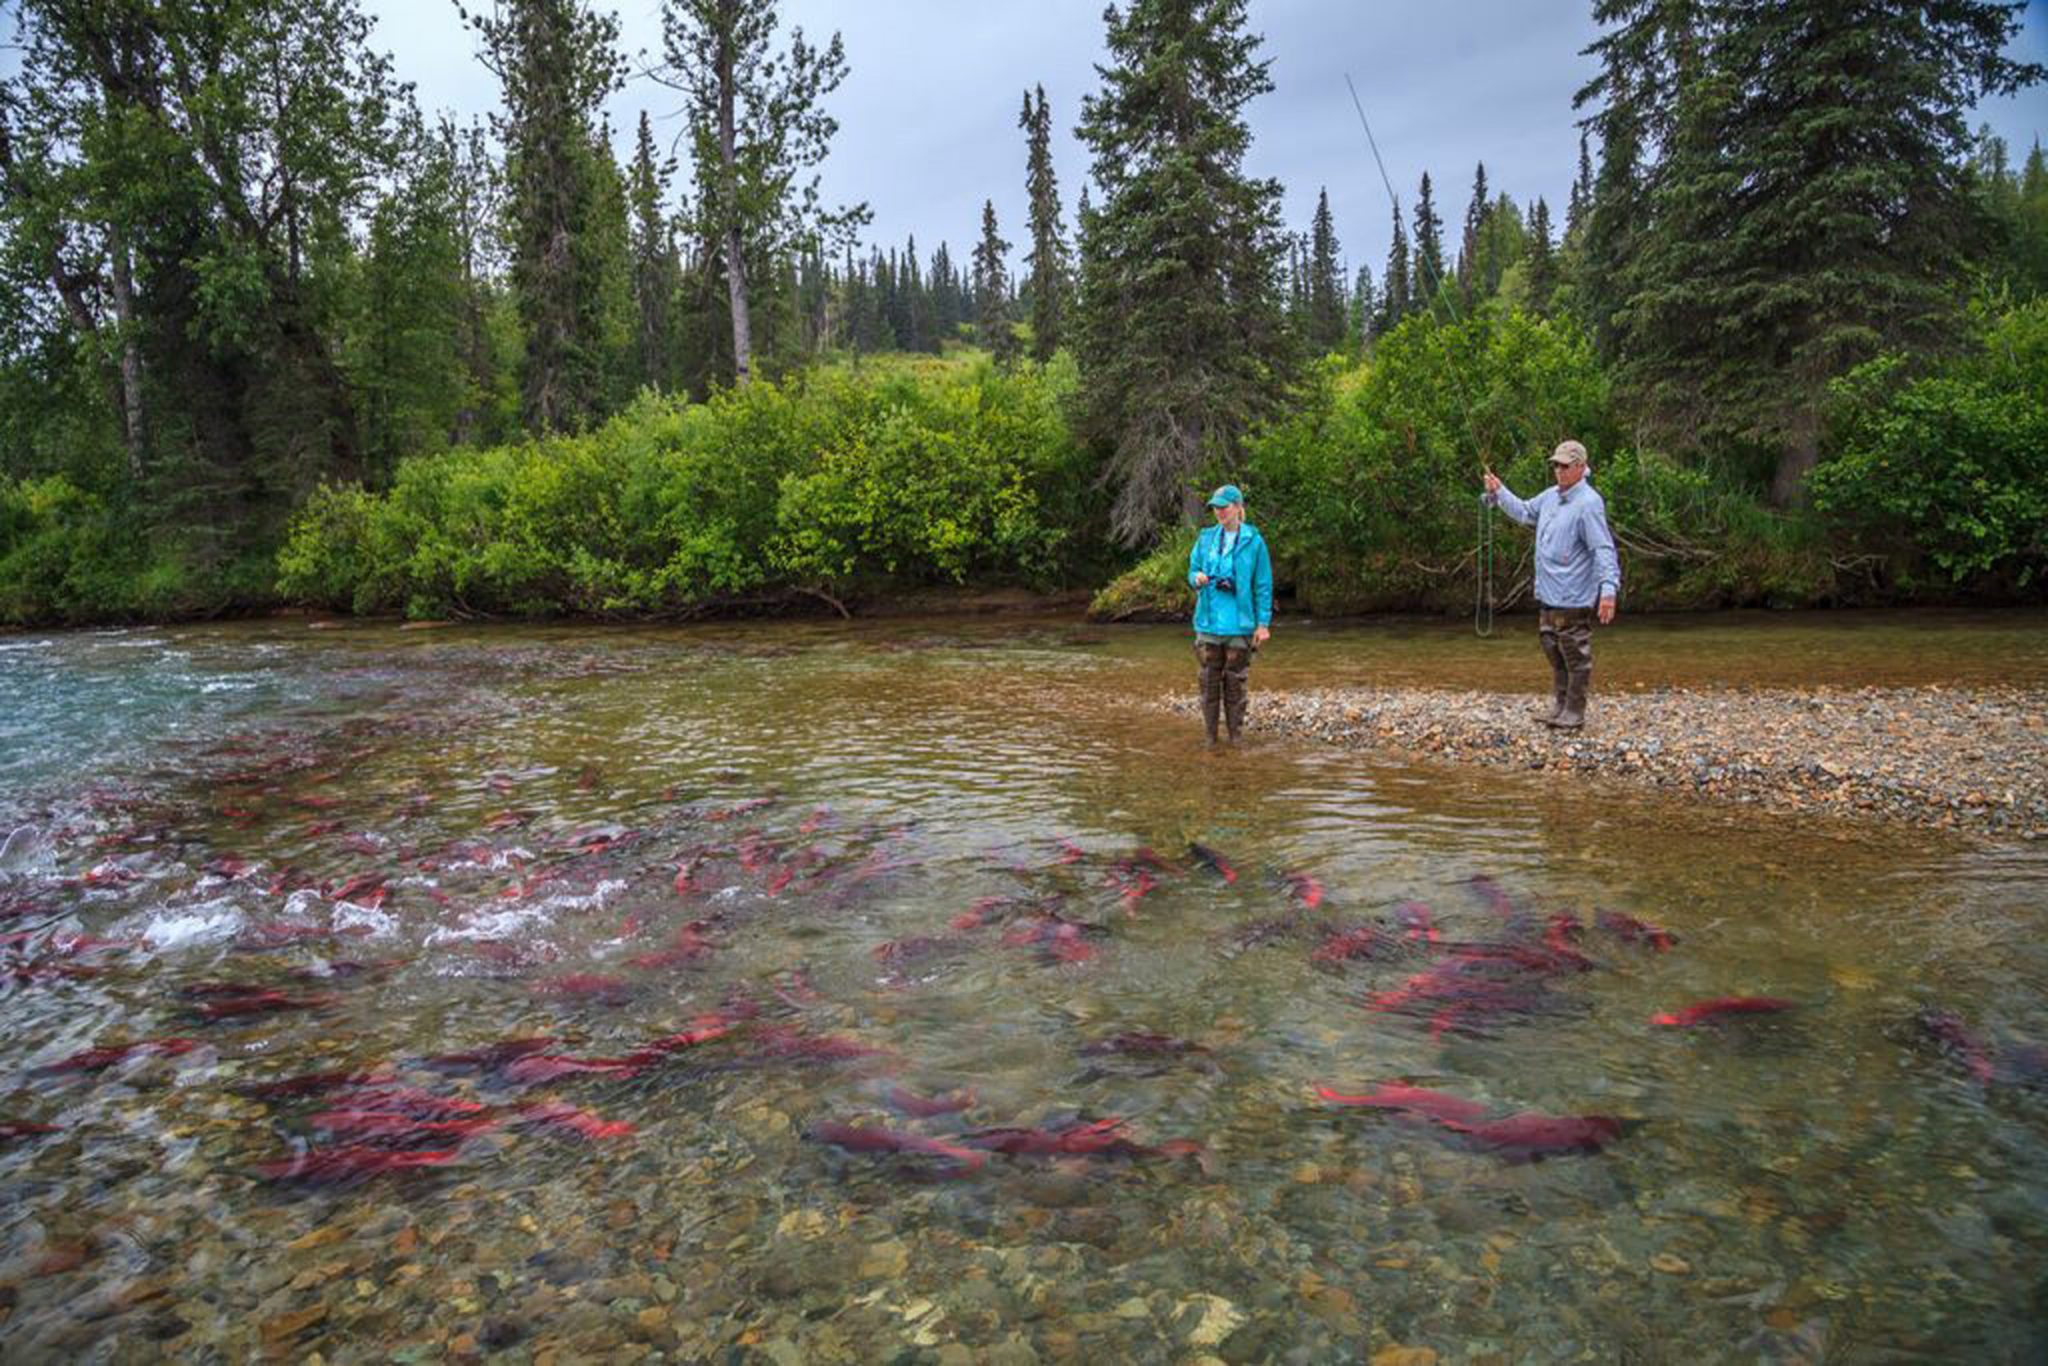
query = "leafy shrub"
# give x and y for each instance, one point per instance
(839, 481)
(1154, 589)
(68, 556)
(1948, 468)
(1369, 491)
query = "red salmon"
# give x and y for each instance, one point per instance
(1305, 888)
(1634, 931)
(1722, 1008)
(1345, 945)
(856, 1139)
(352, 1163)
(99, 1059)
(908, 1102)
(1415, 917)
(1532, 1137)
(382, 1124)
(261, 1003)
(1411, 1099)
(583, 1124)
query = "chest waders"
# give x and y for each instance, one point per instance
(1226, 686)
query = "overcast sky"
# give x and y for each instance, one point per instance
(928, 111)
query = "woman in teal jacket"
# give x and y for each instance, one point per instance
(1232, 576)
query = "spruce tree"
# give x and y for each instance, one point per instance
(1617, 213)
(655, 273)
(1395, 291)
(1426, 277)
(1581, 201)
(556, 62)
(1326, 321)
(1364, 307)
(1048, 255)
(917, 304)
(1542, 273)
(895, 303)
(2028, 244)
(1503, 242)
(992, 290)
(1810, 205)
(945, 300)
(1181, 331)
(1469, 288)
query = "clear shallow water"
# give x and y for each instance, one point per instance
(1829, 1183)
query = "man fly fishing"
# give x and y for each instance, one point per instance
(1578, 576)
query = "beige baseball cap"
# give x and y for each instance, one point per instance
(1568, 453)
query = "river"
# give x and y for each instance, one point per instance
(831, 953)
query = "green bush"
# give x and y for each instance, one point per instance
(68, 557)
(841, 481)
(1369, 491)
(1154, 589)
(1948, 469)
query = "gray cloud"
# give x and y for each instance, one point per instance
(928, 112)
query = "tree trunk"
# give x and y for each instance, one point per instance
(132, 427)
(735, 258)
(1801, 454)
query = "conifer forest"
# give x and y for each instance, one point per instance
(273, 335)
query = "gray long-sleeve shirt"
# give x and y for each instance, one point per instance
(1575, 561)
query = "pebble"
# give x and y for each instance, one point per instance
(1947, 758)
(1404, 1356)
(1207, 1319)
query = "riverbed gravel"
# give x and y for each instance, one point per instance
(1954, 758)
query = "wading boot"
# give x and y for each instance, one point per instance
(1237, 687)
(1211, 682)
(1553, 650)
(1573, 714)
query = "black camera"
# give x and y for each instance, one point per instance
(1228, 585)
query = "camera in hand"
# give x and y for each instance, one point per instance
(1228, 585)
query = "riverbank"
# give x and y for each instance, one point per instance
(1943, 757)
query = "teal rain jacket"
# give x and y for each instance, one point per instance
(1249, 566)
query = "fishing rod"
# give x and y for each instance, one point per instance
(1482, 554)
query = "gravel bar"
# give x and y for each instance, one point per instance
(1950, 758)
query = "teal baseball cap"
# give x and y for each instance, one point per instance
(1225, 496)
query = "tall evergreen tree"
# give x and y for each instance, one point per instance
(555, 62)
(1326, 304)
(402, 353)
(1468, 242)
(757, 123)
(656, 275)
(945, 293)
(1810, 205)
(1542, 273)
(1395, 291)
(1581, 201)
(992, 290)
(1364, 307)
(476, 203)
(1503, 242)
(1615, 216)
(1426, 277)
(1048, 255)
(1181, 328)
(917, 307)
